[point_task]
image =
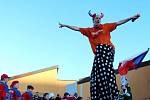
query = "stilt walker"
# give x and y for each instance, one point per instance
(123, 68)
(102, 80)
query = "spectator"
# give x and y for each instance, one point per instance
(75, 95)
(15, 92)
(28, 94)
(66, 94)
(4, 87)
(51, 96)
(36, 96)
(58, 97)
(70, 98)
(45, 96)
(125, 93)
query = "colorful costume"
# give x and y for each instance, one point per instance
(102, 80)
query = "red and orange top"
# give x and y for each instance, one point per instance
(102, 38)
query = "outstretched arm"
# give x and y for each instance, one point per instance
(75, 28)
(133, 18)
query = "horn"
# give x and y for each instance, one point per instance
(102, 15)
(90, 13)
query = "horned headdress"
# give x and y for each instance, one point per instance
(94, 15)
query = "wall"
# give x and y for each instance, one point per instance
(139, 80)
(44, 82)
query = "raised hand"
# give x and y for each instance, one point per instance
(75, 28)
(61, 25)
(135, 17)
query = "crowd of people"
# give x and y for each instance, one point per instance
(13, 93)
(51, 96)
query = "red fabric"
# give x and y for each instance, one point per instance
(70, 98)
(102, 38)
(131, 63)
(26, 96)
(2, 91)
(124, 67)
(15, 97)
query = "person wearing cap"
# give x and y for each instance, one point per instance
(4, 87)
(28, 93)
(102, 80)
(16, 93)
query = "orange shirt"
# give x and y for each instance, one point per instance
(102, 38)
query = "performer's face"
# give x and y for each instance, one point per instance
(97, 20)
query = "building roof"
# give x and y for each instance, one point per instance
(87, 79)
(35, 72)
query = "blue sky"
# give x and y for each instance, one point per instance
(30, 38)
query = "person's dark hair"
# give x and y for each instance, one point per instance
(30, 87)
(79, 98)
(2, 79)
(58, 95)
(65, 95)
(44, 95)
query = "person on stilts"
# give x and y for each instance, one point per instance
(102, 80)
